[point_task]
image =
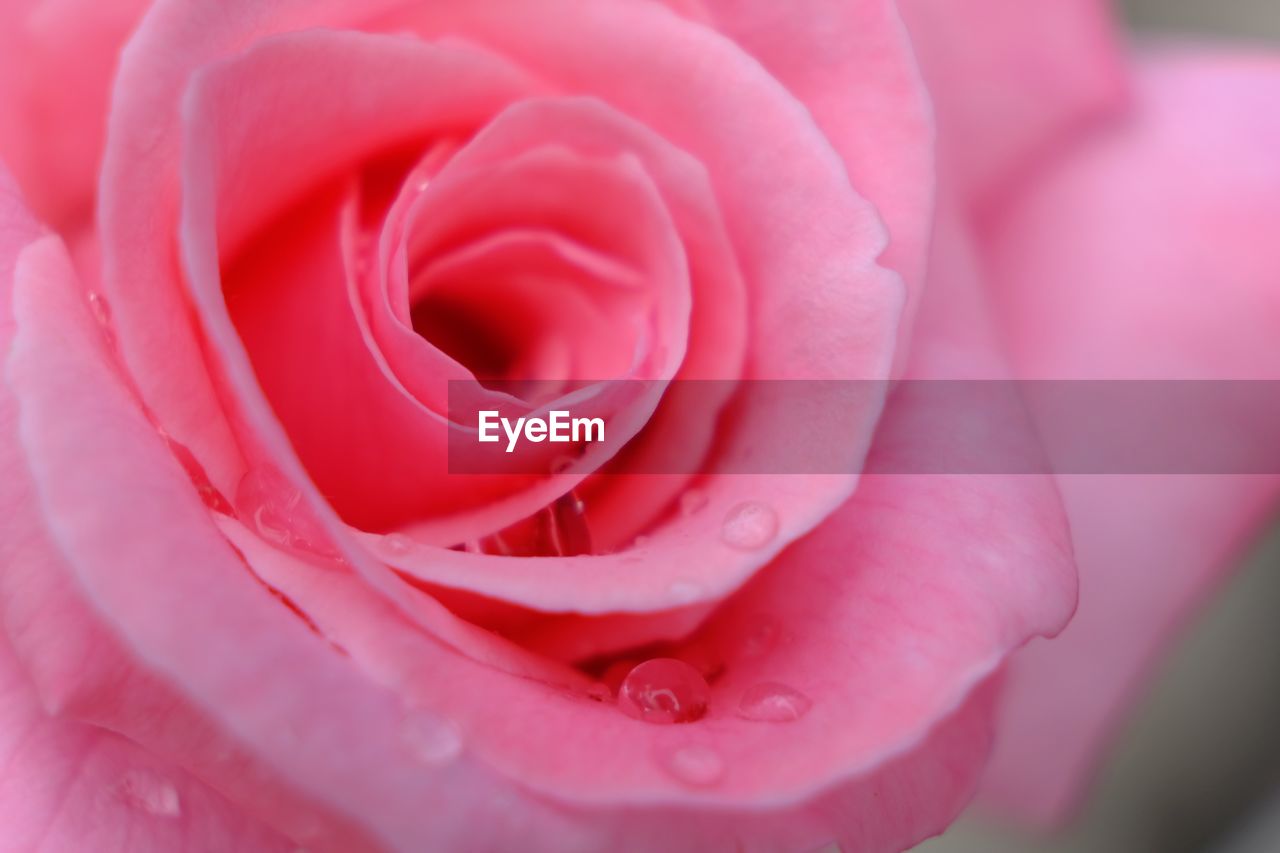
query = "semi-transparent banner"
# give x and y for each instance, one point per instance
(848, 426)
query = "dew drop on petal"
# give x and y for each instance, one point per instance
(100, 308)
(700, 766)
(151, 792)
(760, 640)
(101, 311)
(664, 690)
(397, 543)
(430, 738)
(572, 535)
(771, 702)
(274, 507)
(692, 502)
(749, 526)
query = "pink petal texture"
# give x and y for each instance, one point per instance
(69, 784)
(69, 787)
(1010, 79)
(57, 58)
(1147, 250)
(851, 65)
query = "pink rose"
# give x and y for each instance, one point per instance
(249, 606)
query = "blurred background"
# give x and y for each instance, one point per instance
(1197, 768)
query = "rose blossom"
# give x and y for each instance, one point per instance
(247, 606)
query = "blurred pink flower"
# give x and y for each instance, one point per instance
(247, 605)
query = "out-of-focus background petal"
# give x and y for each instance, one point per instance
(1197, 765)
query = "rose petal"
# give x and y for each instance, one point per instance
(1146, 251)
(1010, 78)
(68, 786)
(79, 672)
(851, 65)
(56, 63)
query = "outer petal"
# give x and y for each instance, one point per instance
(70, 787)
(1009, 78)
(1147, 251)
(57, 59)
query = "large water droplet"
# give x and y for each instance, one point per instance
(692, 502)
(269, 502)
(700, 766)
(151, 792)
(749, 526)
(771, 702)
(430, 738)
(664, 690)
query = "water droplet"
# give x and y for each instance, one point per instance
(700, 766)
(571, 537)
(692, 502)
(101, 311)
(152, 793)
(771, 702)
(664, 690)
(100, 307)
(759, 641)
(684, 592)
(431, 739)
(749, 526)
(275, 508)
(397, 543)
